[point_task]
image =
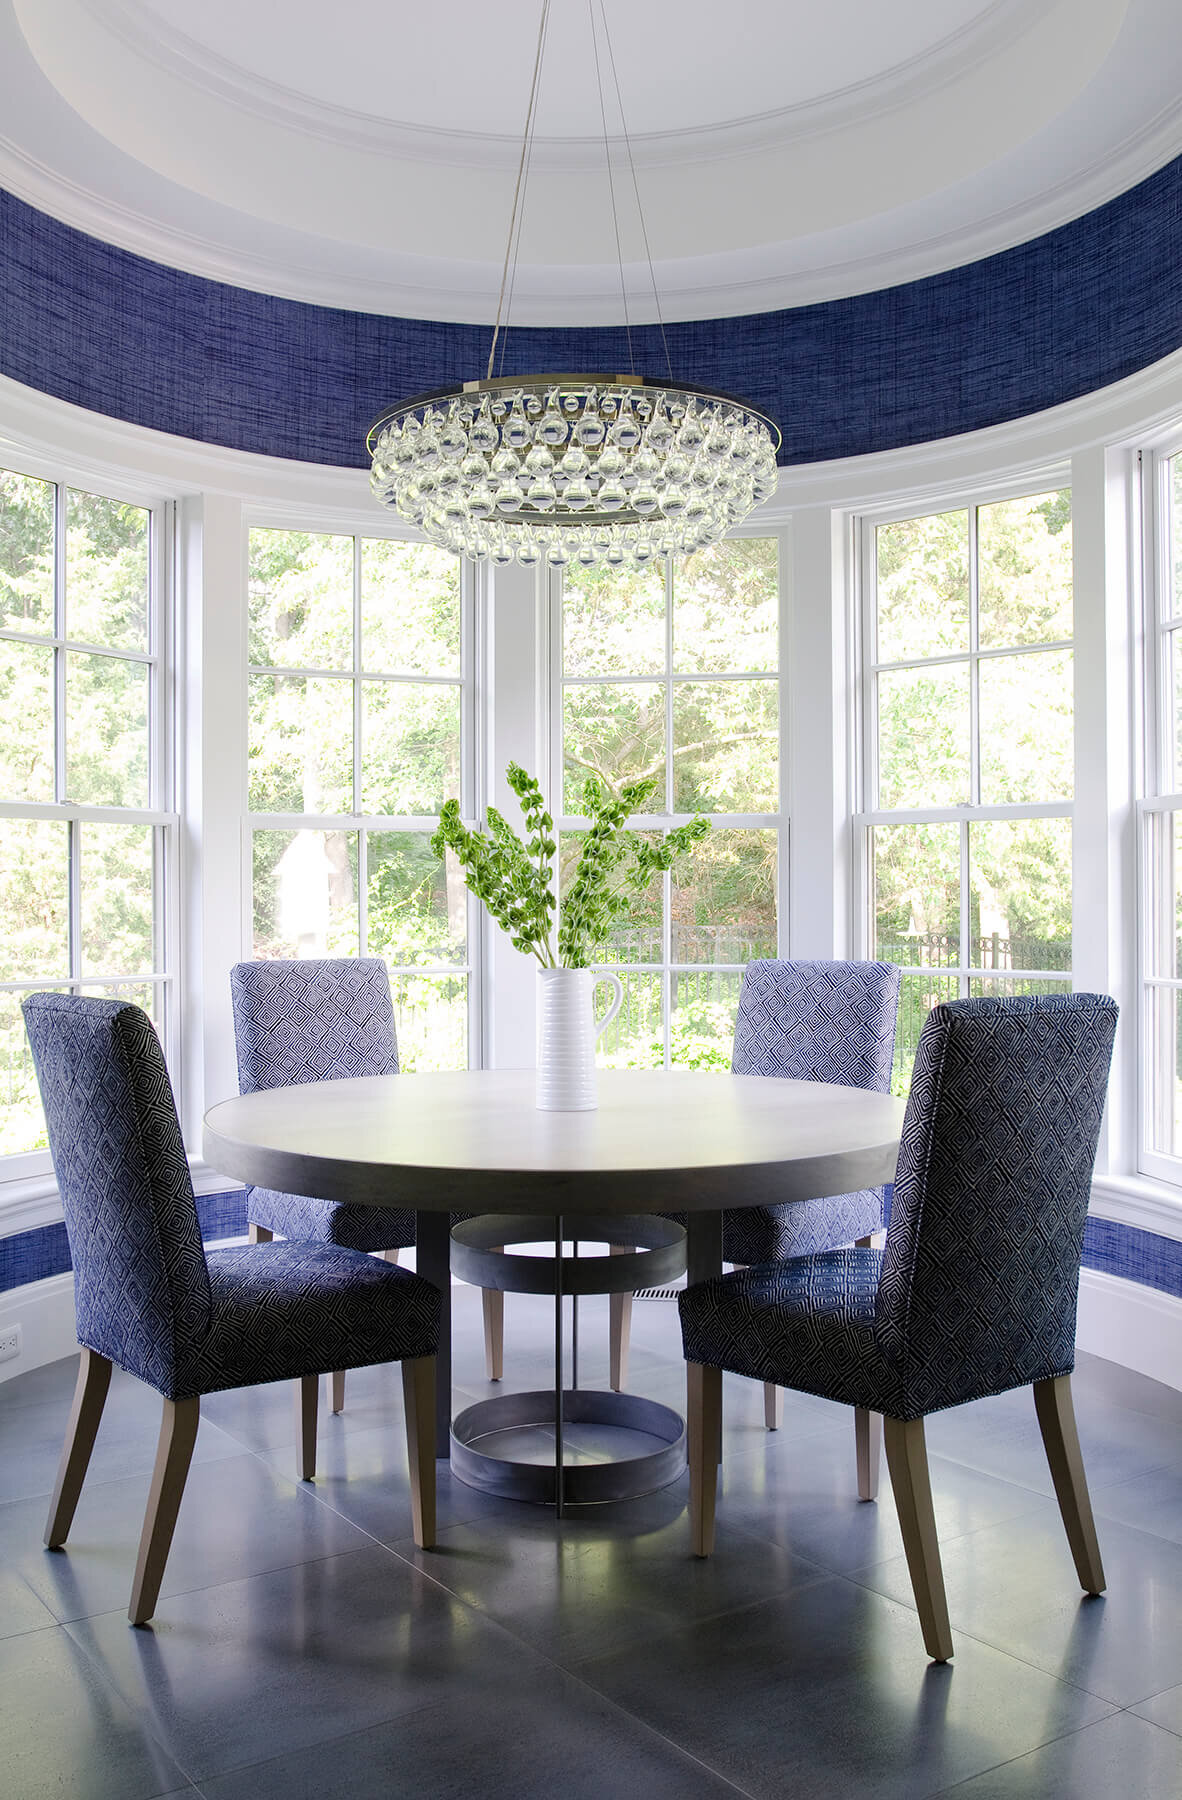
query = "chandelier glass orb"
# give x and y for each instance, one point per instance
(562, 469)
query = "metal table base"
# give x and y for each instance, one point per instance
(660, 1246)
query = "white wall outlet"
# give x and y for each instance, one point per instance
(10, 1342)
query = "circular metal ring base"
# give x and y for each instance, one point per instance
(659, 1245)
(583, 1484)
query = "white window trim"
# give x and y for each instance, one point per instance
(26, 1178)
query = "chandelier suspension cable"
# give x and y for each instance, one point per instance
(652, 274)
(527, 141)
(611, 184)
(591, 468)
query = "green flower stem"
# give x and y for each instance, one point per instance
(515, 879)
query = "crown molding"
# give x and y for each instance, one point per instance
(903, 85)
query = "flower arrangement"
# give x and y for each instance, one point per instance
(515, 877)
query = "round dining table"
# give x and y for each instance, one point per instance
(473, 1141)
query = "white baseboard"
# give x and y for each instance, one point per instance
(1131, 1324)
(44, 1310)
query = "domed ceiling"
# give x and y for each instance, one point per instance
(363, 154)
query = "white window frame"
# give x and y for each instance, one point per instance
(1155, 902)
(866, 817)
(21, 1168)
(666, 969)
(469, 685)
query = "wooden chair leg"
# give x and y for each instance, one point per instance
(259, 1234)
(492, 1305)
(90, 1396)
(704, 1427)
(307, 1395)
(391, 1256)
(907, 1460)
(773, 1406)
(418, 1395)
(867, 1442)
(619, 1327)
(337, 1381)
(1056, 1419)
(178, 1434)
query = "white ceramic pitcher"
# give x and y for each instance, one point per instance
(567, 1034)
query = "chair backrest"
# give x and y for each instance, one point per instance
(818, 1021)
(980, 1273)
(141, 1286)
(312, 1021)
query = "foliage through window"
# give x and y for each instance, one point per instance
(82, 825)
(675, 673)
(358, 734)
(969, 745)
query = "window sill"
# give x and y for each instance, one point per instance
(1140, 1202)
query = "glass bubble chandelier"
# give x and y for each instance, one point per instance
(558, 469)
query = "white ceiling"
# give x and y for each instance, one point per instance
(364, 153)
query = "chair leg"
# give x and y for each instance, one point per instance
(907, 1460)
(337, 1379)
(390, 1256)
(1056, 1419)
(704, 1425)
(90, 1396)
(619, 1327)
(259, 1234)
(307, 1395)
(773, 1406)
(868, 1442)
(492, 1305)
(418, 1397)
(178, 1434)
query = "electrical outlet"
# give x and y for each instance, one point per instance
(10, 1342)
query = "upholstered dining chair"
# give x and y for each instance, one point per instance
(329, 1020)
(975, 1291)
(150, 1299)
(806, 1021)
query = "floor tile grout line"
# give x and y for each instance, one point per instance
(1059, 1738)
(976, 1637)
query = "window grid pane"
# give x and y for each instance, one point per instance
(659, 679)
(972, 610)
(381, 740)
(81, 899)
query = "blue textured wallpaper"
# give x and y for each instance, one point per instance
(1116, 1249)
(1009, 335)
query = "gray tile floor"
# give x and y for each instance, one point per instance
(302, 1646)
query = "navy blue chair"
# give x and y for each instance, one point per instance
(150, 1299)
(810, 1021)
(329, 1020)
(976, 1290)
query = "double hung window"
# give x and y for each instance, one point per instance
(969, 752)
(85, 825)
(360, 709)
(1161, 858)
(674, 673)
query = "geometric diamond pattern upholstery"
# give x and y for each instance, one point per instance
(317, 1021)
(976, 1289)
(813, 1021)
(147, 1297)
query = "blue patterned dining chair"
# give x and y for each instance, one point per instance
(808, 1021)
(152, 1300)
(329, 1020)
(975, 1291)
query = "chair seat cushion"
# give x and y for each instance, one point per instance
(354, 1227)
(806, 1324)
(759, 1234)
(285, 1310)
